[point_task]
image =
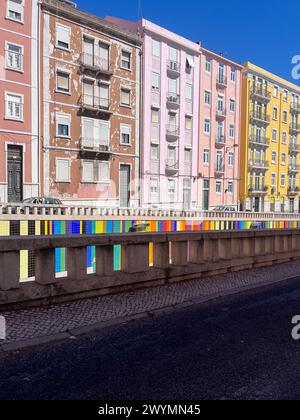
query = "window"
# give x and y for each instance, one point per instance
(63, 124)
(208, 65)
(284, 137)
(89, 171)
(274, 134)
(104, 56)
(14, 107)
(154, 152)
(206, 157)
(285, 116)
(126, 60)
(273, 180)
(275, 113)
(230, 187)
(63, 170)
(233, 75)
(282, 181)
(154, 116)
(173, 54)
(62, 82)
(207, 98)
(155, 48)
(104, 96)
(14, 57)
(276, 91)
(15, 10)
(125, 131)
(171, 186)
(218, 187)
(103, 172)
(190, 63)
(274, 157)
(285, 95)
(63, 35)
(155, 82)
(188, 123)
(283, 159)
(104, 133)
(232, 105)
(189, 92)
(154, 186)
(231, 131)
(207, 126)
(231, 159)
(125, 97)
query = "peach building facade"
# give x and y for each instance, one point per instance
(19, 111)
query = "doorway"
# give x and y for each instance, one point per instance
(124, 186)
(15, 174)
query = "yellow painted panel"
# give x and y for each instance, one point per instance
(23, 265)
(4, 228)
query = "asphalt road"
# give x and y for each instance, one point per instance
(234, 348)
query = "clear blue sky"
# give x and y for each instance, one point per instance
(266, 32)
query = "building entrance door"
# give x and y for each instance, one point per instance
(14, 174)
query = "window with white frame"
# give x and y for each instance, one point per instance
(14, 106)
(283, 159)
(274, 135)
(14, 57)
(89, 171)
(285, 95)
(206, 157)
(154, 116)
(218, 187)
(207, 97)
(230, 187)
(63, 170)
(284, 116)
(62, 81)
(63, 36)
(125, 96)
(232, 105)
(207, 126)
(282, 180)
(171, 187)
(154, 188)
(274, 155)
(125, 133)
(232, 131)
(231, 159)
(233, 75)
(275, 113)
(188, 123)
(63, 125)
(284, 137)
(189, 92)
(126, 60)
(155, 48)
(103, 171)
(155, 82)
(15, 10)
(104, 133)
(276, 91)
(208, 65)
(273, 180)
(154, 152)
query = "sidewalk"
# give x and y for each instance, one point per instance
(35, 326)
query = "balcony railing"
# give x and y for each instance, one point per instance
(294, 128)
(259, 141)
(258, 164)
(220, 140)
(95, 103)
(221, 80)
(220, 169)
(172, 165)
(294, 168)
(260, 117)
(173, 67)
(261, 93)
(294, 148)
(173, 100)
(92, 62)
(172, 132)
(93, 145)
(295, 108)
(221, 113)
(258, 189)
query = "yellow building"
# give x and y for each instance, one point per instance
(270, 145)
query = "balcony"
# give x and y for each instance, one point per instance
(260, 118)
(90, 103)
(172, 132)
(219, 169)
(220, 141)
(173, 68)
(258, 190)
(259, 164)
(172, 166)
(294, 128)
(263, 142)
(260, 93)
(295, 108)
(294, 148)
(221, 81)
(221, 114)
(294, 169)
(292, 191)
(94, 146)
(94, 64)
(173, 100)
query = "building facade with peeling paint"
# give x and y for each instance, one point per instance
(90, 103)
(19, 113)
(169, 149)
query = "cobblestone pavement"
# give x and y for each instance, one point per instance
(34, 323)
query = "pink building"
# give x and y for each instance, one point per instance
(219, 126)
(19, 141)
(169, 158)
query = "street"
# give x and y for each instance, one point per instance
(237, 347)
